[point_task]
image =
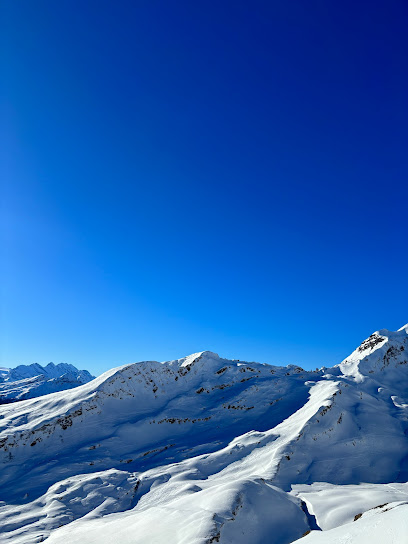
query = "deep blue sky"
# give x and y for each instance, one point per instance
(181, 176)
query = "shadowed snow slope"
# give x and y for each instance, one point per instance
(204, 449)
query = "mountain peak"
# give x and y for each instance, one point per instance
(376, 353)
(199, 356)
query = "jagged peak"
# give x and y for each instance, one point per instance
(374, 353)
(50, 370)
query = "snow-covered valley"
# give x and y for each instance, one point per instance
(204, 449)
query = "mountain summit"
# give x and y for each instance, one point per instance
(204, 449)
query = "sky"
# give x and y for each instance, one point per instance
(186, 176)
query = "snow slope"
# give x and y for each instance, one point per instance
(203, 450)
(28, 381)
(383, 524)
(334, 505)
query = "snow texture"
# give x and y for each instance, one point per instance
(203, 449)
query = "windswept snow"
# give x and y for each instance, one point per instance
(335, 505)
(383, 525)
(204, 449)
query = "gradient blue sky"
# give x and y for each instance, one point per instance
(181, 176)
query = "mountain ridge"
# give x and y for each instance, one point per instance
(29, 381)
(225, 443)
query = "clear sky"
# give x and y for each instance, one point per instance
(180, 176)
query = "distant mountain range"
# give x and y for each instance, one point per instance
(205, 450)
(29, 381)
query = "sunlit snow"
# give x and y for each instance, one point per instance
(204, 449)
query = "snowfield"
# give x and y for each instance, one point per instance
(203, 450)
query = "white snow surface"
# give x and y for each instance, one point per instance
(387, 524)
(203, 449)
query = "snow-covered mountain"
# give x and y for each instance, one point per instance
(29, 381)
(203, 450)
